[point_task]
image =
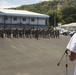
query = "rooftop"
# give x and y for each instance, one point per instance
(25, 13)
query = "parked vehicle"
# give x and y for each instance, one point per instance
(64, 32)
(72, 33)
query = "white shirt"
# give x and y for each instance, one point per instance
(72, 47)
(72, 44)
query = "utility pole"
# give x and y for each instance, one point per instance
(55, 13)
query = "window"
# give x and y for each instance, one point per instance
(32, 19)
(24, 19)
(15, 19)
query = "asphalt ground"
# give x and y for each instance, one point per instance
(34, 57)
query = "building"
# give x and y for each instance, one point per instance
(70, 26)
(21, 18)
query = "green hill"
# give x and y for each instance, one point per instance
(44, 7)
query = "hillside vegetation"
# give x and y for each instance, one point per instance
(42, 7)
(46, 6)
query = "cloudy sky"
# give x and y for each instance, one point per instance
(15, 3)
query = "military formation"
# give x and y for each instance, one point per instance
(29, 33)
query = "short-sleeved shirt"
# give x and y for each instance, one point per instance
(72, 44)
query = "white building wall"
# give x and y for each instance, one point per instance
(8, 20)
(33, 22)
(41, 21)
(20, 20)
(15, 21)
(1, 19)
(25, 22)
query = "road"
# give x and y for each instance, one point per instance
(34, 57)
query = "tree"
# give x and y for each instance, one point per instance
(57, 15)
(68, 14)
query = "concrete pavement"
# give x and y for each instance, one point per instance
(33, 57)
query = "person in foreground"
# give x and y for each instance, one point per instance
(71, 47)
